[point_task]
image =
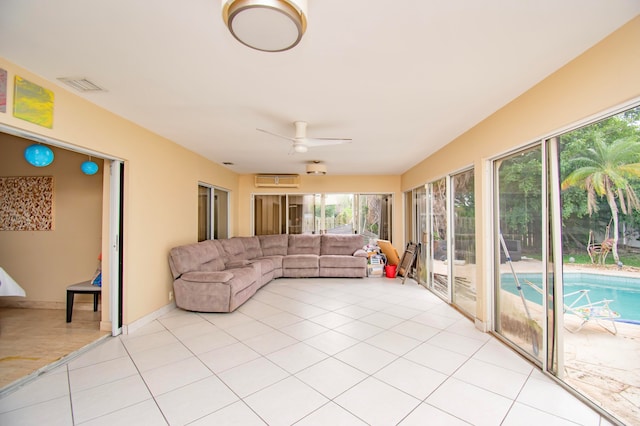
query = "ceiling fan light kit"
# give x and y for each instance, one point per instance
(266, 25)
(300, 148)
(316, 168)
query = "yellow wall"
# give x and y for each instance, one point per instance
(44, 263)
(161, 187)
(604, 77)
(328, 185)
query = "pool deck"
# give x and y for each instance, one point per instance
(597, 363)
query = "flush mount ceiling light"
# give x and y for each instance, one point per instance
(266, 25)
(316, 168)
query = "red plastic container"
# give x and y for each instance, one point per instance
(390, 270)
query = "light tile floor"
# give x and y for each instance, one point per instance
(307, 352)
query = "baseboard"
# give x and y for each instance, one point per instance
(481, 325)
(35, 304)
(105, 325)
(137, 324)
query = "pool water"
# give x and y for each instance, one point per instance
(624, 291)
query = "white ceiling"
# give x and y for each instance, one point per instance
(401, 78)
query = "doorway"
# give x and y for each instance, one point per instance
(46, 308)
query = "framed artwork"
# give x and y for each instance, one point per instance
(33, 103)
(26, 203)
(3, 90)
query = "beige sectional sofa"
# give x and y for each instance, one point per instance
(220, 275)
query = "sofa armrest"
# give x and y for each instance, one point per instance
(237, 263)
(207, 277)
(360, 253)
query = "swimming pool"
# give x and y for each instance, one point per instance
(624, 291)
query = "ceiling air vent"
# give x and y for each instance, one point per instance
(81, 84)
(277, 181)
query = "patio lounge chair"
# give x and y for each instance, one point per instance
(586, 310)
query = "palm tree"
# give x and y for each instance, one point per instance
(605, 170)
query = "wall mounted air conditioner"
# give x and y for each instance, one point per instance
(277, 181)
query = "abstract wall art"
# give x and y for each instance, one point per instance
(3, 90)
(33, 103)
(26, 203)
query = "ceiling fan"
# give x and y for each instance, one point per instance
(301, 143)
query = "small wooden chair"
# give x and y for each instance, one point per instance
(598, 252)
(84, 287)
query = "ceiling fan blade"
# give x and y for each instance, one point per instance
(277, 135)
(326, 141)
(301, 143)
(330, 139)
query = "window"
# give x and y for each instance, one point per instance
(366, 214)
(213, 211)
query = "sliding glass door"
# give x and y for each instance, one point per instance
(422, 231)
(366, 214)
(303, 214)
(442, 217)
(598, 345)
(373, 216)
(463, 253)
(270, 214)
(519, 316)
(438, 253)
(567, 280)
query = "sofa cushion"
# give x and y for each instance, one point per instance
(234, 249)
(297, 261)
(218, 245)
(274, 245)
(304, 244)
(203, 256)
(341, 244)
(266, 264)
(251, 247)
(335, 261)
